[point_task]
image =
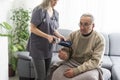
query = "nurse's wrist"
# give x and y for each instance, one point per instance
(47, 36)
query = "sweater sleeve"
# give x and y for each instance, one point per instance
(95, 60)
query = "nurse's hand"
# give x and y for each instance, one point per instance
(62, 38)
(51, 38)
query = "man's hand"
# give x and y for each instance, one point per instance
(69, 73)
(63, 55)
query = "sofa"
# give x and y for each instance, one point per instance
(110, 60)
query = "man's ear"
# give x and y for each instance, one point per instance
(93, 25)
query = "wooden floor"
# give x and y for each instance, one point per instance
(16, 77)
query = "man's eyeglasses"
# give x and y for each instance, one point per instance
(55, 0)
(84, 24)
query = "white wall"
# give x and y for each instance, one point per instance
(27, 4)
(3, 58)
(4, 8)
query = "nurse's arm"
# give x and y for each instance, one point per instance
(56, 33)
(38, 32)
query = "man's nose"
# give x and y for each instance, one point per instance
(82, 27)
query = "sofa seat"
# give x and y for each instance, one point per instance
(107, 63)
(115, 60)
(115, 72)
(106, 74)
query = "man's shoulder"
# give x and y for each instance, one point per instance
(75, 34)
(99, 35)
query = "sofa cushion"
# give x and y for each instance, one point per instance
(107, 63)
(24, 55)
(106, 74)
(115, 60)
(105, 35)
(114, 44)
(115, 72)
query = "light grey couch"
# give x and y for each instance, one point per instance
(110, 60)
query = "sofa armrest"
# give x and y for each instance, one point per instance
(24, 55)
(24, 66)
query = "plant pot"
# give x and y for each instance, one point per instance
(11, 71)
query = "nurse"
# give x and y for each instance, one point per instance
(44, 24)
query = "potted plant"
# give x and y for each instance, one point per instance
(20, 34)
(4, 29)
(20, 18)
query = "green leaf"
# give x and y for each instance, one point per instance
(7, 26)
(14, 48)
(19, 47)
(5, 35)
(1, 25)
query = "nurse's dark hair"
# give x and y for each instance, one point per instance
(88, 15)
(45, 4)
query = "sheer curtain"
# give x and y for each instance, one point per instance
(106, 13)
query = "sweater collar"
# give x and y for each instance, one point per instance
(85, 35)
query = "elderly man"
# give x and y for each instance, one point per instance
(83, 60)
